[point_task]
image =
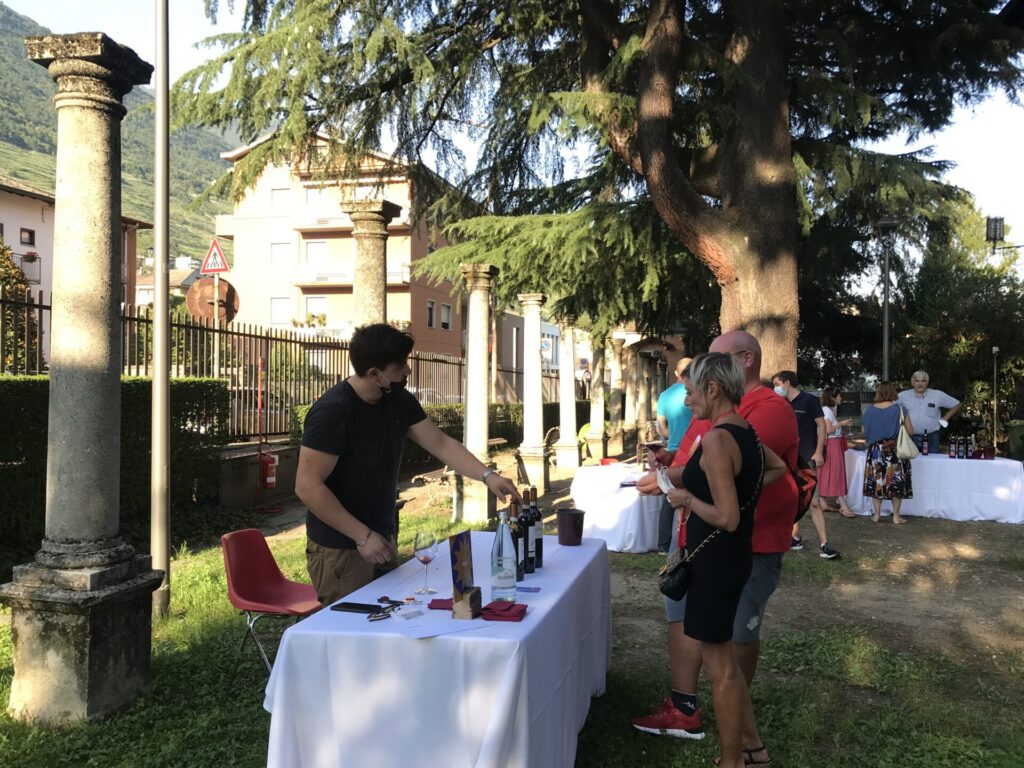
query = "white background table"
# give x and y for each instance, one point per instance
(348, 692)
(955, 489)
(625, 520)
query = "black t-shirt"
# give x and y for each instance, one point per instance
(807, 408)
(368, 440)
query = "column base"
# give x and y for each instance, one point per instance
(82, 639)
(535, 462)
(598, 445)
(567, 455)
(615, 443)
(471, 501)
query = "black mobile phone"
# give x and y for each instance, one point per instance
(357, 607)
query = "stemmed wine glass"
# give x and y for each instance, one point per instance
(425, 547)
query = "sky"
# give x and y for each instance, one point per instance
(984, 142)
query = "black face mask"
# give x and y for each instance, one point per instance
(393, 386)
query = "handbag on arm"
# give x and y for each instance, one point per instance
(905, 446)
(674, 575)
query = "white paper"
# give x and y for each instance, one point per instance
(433, 626)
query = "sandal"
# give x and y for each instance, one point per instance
(847, 513)
(748, 757)
(875, 519)
(901, 521)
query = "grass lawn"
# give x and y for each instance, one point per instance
(828, 693)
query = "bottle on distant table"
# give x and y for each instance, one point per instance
(961, 447)
(970, 447)
(517, 539)
(526, 522)
(952, 447)
(503, 562)
(924, 444)
(538, 529)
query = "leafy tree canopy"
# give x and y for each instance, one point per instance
(738, 122)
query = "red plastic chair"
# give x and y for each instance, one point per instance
(606, 462)
(256, 586)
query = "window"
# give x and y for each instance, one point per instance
(281, 311)
(316, 255)
(28, 236)
(281, 200)
(316, 305)
(431, 308)
(282, 258)
(446, 317)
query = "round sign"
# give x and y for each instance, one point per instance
(200, 300)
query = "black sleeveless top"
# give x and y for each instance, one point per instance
(748, 489)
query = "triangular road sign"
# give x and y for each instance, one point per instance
(214, 263)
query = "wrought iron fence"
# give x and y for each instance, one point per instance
(268, 371)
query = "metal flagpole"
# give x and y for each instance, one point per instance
(160, 448)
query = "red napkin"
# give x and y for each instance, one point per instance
(499, 610)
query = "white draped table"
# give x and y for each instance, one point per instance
(348, 692)
(625, 520)
(955, 489)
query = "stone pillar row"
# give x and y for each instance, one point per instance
(532, 449)
(370, 219)
(567, 452)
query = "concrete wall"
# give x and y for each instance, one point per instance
(240, 473)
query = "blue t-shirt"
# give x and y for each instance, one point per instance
(672, 405)
(881, 423)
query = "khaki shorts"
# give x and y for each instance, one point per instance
(336, 573)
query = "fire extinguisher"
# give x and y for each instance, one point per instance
(268, 470)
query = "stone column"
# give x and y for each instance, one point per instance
(662, 382)
(370, 220)
(81, 612)
(596, 438)
(476, 503)
(629, 374)
(643, 413)
(567, 449)
(615, 438)
(535, 458)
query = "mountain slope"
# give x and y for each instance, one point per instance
(28, 144)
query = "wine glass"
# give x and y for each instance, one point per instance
(425, 547)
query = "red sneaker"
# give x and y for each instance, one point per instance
(669, 721)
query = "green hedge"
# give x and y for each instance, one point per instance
(504, 420)
(199, 416)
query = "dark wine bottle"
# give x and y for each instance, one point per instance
(529, 535)
(517, 539)
(538, 527)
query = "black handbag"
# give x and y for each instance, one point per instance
(674, 575)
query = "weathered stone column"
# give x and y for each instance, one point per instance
(596, 438)
(81, 611)
(475, 503)
(567, 449)
(615, 441)
(532, 449)
(662, 381)
(643, 390)
(370, 220)
(629, 374)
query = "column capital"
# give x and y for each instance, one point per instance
(379, 210)
(617, 344)
(531, 299)
(90, 69)
(478, 276)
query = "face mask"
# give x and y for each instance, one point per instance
(392, 386)
(780, 391)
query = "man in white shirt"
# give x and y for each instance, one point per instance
(924, 406)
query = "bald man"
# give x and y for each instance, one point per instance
(673, 420)
(775, 424)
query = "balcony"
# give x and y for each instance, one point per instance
(314, 277)
(224, 226)
(31, 265)
(321, 221)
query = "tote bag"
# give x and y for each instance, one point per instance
(905, 447)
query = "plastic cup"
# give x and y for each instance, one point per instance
(570, 527)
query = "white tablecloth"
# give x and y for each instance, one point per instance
(347, 692)
(955, 489)
(627, 521)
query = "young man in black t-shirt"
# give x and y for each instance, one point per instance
(810, 423)
(349, 460)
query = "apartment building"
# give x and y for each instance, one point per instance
(294, 253)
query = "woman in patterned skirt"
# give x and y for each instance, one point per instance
(886, 476)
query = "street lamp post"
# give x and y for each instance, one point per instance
(886, 225)
(995, 395)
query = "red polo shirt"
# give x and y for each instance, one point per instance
(775, 423)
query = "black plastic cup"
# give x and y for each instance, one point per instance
(570, 527)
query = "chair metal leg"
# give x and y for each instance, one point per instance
(251, 623)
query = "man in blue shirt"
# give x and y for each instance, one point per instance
(924, 407)
(673, 418)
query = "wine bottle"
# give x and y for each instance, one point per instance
(961, 447)
(503, 562)
(526, 521)
(517, 539)
(924, 444)
(538, 529)
(952, 447)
